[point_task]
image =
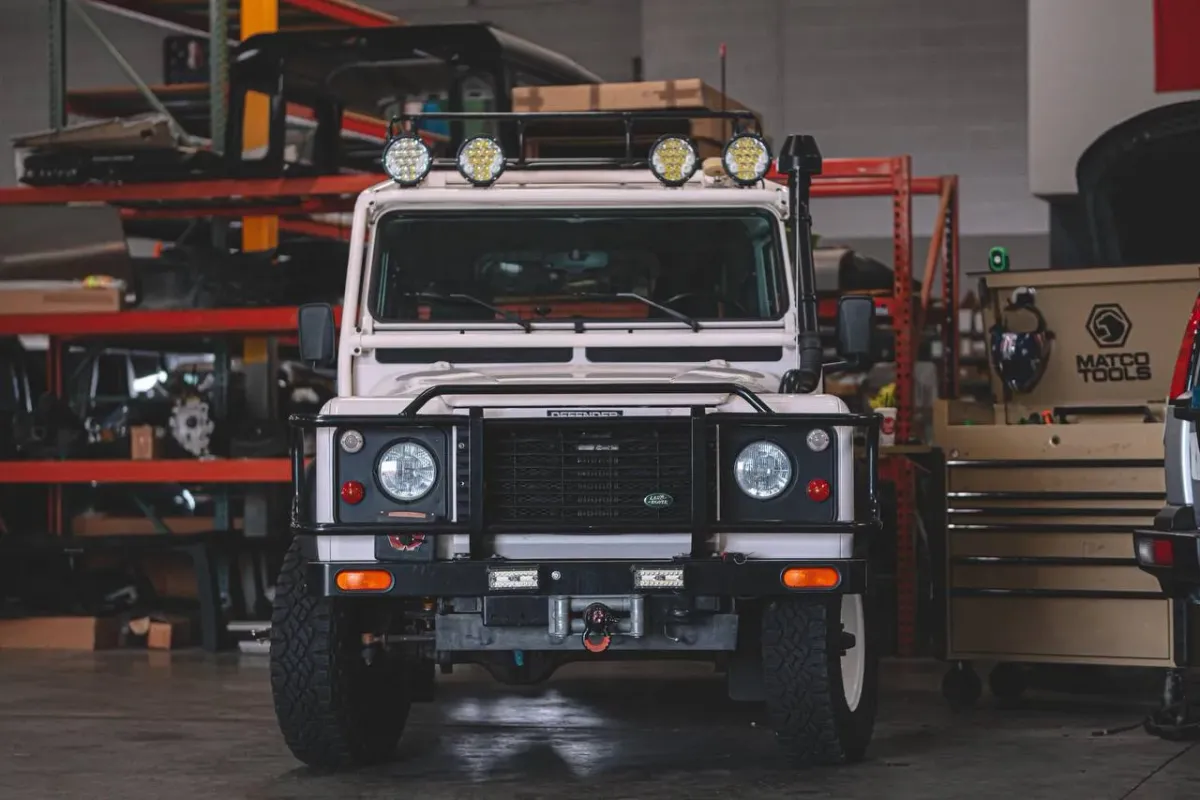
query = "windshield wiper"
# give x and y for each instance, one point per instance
(525, 324)
(679, 315)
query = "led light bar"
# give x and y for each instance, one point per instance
(512, 579)
(658, 578)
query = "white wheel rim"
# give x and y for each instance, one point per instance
(854, 662)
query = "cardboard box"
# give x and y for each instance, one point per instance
(635, 96)
(56, 297)
(168, 631)
(1116, 332)
(146, 442)
(59, 633)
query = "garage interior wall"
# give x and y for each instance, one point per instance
(943, 80)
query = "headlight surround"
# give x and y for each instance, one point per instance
(673, 160)
(407, 471)
(746, 158)
(762, 470)
(480, 160)
(407, 159)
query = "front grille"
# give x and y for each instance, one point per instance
(587, 474)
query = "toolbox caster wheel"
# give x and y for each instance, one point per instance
(961, 686)
(1006, 682)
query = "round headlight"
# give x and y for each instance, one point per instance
(407, 471)
(407, 159)
(746, 158)
(817, 440)
(762, 470)
(673, 160)
(480, 160)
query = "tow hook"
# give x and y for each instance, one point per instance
(598, 623)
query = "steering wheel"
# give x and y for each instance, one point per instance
(729, 303)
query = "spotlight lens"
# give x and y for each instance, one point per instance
(480, 160)
(747, 158)
(673, 160)
(407, 160)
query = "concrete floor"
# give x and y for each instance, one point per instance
(137, 725)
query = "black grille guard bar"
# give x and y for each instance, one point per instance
(700, 527)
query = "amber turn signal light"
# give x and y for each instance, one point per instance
(364, 580)
(811, 578)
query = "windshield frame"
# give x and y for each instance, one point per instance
(369, 301)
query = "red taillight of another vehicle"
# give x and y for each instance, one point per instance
(1156, 552)
(1185, 362)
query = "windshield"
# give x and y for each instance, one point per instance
(665, 266)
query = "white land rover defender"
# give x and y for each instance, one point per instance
(579, 417)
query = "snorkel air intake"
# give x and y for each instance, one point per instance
(800, 159)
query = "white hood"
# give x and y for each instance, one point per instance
(412, 383)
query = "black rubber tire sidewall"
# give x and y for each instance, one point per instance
(805, 699)
(334, 711)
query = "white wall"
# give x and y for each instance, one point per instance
(942, 80)
(1091, 66)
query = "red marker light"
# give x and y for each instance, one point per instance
(819, 490)
(353, 492)
(1164, 553)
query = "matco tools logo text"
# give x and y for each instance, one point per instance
(1109, 326)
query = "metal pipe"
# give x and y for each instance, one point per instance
(218, 72)
(57, 53)
(130, 72)
(621, 604)
(637, 617)
(559, 618)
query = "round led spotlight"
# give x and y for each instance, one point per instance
(407, 159)
(407, 471)
(480, 160)
(746, 158)
(673, 160)
(762, 470)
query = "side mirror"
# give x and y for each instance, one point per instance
(856, 329)
(318, 334)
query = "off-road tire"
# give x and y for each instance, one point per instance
(334, 710)
(802, 679)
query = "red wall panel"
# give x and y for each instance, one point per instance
(1176, 54)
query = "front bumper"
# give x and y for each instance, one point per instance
(721, 577)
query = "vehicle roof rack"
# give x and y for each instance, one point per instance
(743, 121)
